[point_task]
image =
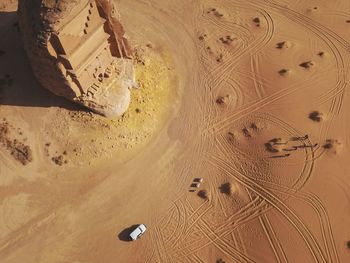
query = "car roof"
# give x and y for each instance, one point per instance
(134, 234)
(142, 227)
(137, 231)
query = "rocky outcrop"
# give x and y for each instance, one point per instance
(4, 4)
(78, 50)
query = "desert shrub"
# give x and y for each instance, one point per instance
(226, 188)
(315, 116)
(58, 160)
(203, 194)
(306, 64)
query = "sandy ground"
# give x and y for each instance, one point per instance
(251, 96)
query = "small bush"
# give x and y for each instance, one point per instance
(315, 116)
(226, 188)
(203, 194)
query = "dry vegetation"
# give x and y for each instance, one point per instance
(283, 72)
(331, 144)
(315, 116)
(203, 194)
(307, 64)
(18, 149)
(226, 188)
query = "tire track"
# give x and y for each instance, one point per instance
(228, 227)
(255, 106)
(322, 214)
(222, 245)
(271, 236)
(278, 204)
(328, 37)
(308, 164)
(226, 68)
(258, 84)
(288, 129)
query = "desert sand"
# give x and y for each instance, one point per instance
(251, 96)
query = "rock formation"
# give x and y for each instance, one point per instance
(77, 49)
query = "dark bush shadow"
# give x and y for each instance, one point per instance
(225, 188)
(18, 85)
(124, 235)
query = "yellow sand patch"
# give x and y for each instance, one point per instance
(91, 137)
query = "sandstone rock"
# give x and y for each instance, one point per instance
(78, 50)
(6, 4)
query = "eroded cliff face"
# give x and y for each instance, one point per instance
(77, 49)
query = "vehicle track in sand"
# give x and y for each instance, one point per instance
(308, 162)
(225, 69)
(278, 204)
(216, 151)
(271, 235)
(198, 215)
(256, 76)
(235, 100)
(295, 188)
(292, 132)
(225, 122)
(316, 204)
(243, 216)
(330, 38)
(213, 83)
(222, 245)
(340, 86)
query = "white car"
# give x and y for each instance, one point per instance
(138, 232)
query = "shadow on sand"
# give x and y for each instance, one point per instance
(18, 85)
(124, 235)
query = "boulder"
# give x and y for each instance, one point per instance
(78, 50)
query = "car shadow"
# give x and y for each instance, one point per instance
(124, 235)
